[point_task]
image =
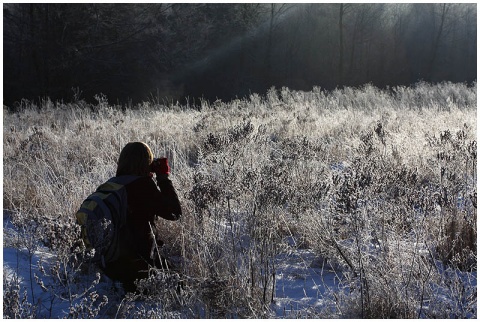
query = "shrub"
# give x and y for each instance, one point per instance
(380, 184)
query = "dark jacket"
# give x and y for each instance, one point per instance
(145, 203)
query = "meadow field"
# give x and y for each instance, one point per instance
(371, 191)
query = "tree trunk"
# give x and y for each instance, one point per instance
(340, 58)
(436, 43)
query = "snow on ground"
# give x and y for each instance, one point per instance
(16, 265)
(302, 282)
(300, 288)
(52, 301)
(28, 267)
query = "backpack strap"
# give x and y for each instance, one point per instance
(100, 202)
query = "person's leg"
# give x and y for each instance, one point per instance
(127, 270)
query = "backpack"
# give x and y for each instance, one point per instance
(101, 216)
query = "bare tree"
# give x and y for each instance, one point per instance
(276, 10)
(439, 32)
(341, 46)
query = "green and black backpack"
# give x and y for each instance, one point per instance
(101, 216)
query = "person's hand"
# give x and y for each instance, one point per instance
(160, 166)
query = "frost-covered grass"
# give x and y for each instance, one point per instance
(352, 203)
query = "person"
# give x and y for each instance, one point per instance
(145, 201)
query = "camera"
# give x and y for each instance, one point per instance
(160, 165)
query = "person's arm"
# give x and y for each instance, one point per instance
(171, 209)
(169, 205)
(148, 200)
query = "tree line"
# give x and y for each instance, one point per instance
(138, 52)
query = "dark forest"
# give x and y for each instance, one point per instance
(167, 52)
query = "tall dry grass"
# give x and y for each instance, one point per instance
(379, 183)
